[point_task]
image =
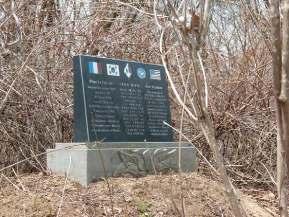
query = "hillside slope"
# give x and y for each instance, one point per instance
(40, 195)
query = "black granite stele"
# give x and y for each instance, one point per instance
(118, 100)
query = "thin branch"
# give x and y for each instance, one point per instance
(205, 80)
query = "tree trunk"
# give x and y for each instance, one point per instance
(209, 132)
(280, 82)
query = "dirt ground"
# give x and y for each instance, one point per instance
(38, 195)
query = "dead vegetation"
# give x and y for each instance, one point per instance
(39, 195)
(36, 78)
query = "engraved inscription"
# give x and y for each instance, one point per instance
(157, 110)
(102, 109)
(132, 108)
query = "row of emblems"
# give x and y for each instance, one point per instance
(113, 70)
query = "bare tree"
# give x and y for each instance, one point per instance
(280, 55)
(185, 36)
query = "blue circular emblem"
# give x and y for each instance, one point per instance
(141, 73)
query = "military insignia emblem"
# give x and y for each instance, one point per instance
(127, 70)
(141, 73)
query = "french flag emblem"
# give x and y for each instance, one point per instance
(94, 68)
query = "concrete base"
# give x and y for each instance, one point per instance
(85, 163)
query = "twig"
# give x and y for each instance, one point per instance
(64, 188)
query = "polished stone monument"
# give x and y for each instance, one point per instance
(120, 111)
(120, 101)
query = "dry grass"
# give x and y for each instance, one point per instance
(157, 196)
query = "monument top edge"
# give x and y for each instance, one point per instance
(110, 58)
(122, 143)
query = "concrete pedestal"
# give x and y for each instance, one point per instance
(85, 163)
